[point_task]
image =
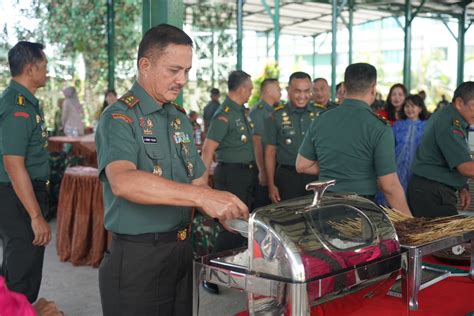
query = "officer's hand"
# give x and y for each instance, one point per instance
(274, 194)
(223, 205)
(46, 308)
(41, 230)
(465, 199)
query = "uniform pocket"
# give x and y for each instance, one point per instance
(153, 150)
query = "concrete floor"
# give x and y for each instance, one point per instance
(76, 292)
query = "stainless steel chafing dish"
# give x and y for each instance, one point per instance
(307, 251)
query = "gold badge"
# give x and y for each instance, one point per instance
(227, 109)
(243, 138)
(176, 123)
(312, 114)
(284, 114)
(147, 132)
(285, 118)
(457, 123)
(149, 123)
(20, 100)
(190, 168)
(182, 234)
(157, 170)
(288, 141)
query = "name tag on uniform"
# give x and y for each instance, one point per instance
(149, 140)
(181, 138)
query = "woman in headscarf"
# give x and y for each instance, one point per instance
(72, 113)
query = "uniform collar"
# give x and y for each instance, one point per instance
(23, 91)
(266, 106)
(295, 109)
(458, 116)
(356, 103)
(234, 106)
(147, 104)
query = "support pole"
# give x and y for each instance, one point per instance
(110, 44)
(461, 44)
(351, 23)
(334, 49)
(156, 12)
(240, 26)
(407, 48)
(314, 56)
(276, 25)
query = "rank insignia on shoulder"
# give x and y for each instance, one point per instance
(20, 100)
(227, 109)
(21, 114)
(381, 118)
(38, 119)
(260, 106)
(223, 118)
(179, 108)
(130, 100)
(123, 117)
(457, 123)
(278, 108)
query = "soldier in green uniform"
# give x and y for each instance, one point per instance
(442, 163)
(24, 171)
(286, 128)
(270, 98)
(211, 107)
(322, 94)
(230, 138)
(353, 145)
(152, 175)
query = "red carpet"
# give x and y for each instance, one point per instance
(453, 296)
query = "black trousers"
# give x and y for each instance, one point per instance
(146, 278)
(428, 198)
(261, 196)
(290, 183)
(241, 180)
(22, 264)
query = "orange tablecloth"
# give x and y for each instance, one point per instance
(83, 146)
(81, 237)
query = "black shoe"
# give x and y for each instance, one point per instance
(210, 287)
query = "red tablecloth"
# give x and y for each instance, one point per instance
(81, 237)
(82, 146)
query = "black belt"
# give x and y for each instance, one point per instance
(37, 184)
(435, 182)
(167, 237)
(287, 167)
(249, 165)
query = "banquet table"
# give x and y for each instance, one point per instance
(81, 237)
(82, 146)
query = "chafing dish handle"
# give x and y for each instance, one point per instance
(318, 187)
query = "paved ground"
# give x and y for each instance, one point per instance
(76, 292)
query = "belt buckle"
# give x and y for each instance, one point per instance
(182, 234)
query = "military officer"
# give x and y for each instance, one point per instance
(286, 128)
(322, 94)
(442, 163)
(24, 171)
(147, 160)
(230, 138)
(353, 145)
(270, 95)
(211, 107)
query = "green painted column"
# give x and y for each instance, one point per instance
(240, 28)
(407, 48)
(334, 49)
(155, 12)
(351, 23)
(110, 44)
(461, 45)
(276, 25)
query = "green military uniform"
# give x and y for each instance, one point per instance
(157, 138)
(259, 114)
(444, 146)
(22, 133)
(351, 145)
(209, 111)
(148, 266)
(286, 128)
(236, 171)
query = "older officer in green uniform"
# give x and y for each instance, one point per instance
(270, 95)
(286, 128)
(152, 176)
(442, 162)
(24, 171)
(230, 138)
(322, 94)
(353, 145)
